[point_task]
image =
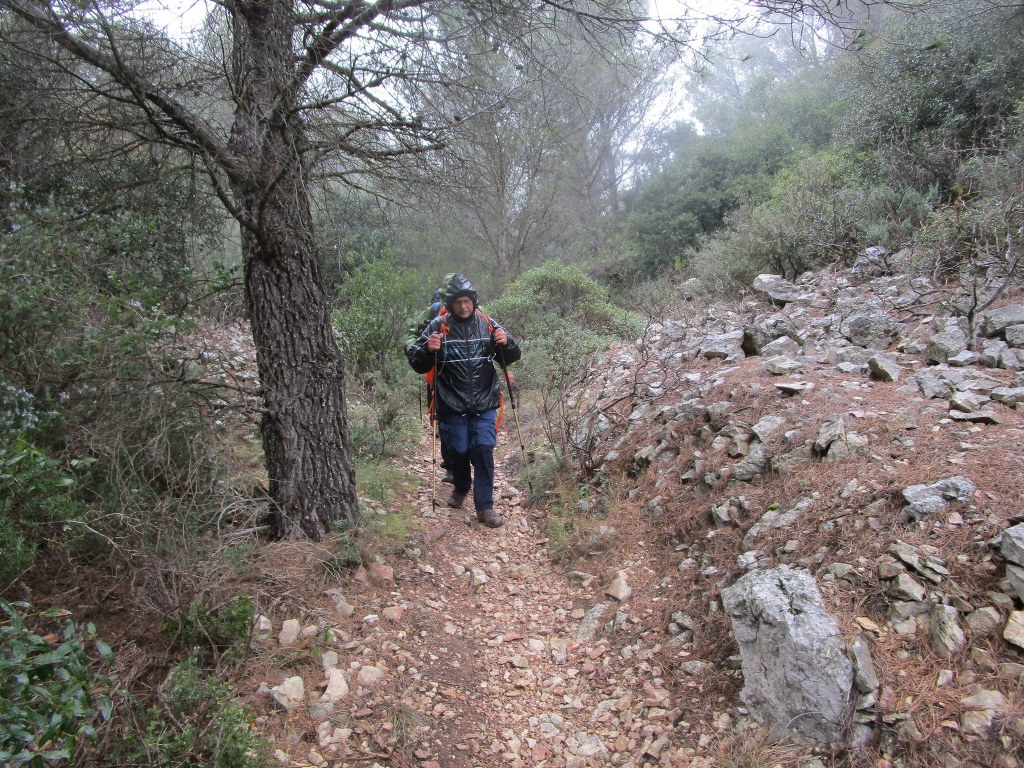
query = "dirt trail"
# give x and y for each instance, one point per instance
(490, 654)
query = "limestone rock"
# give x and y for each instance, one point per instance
(1013, 632)
(776, 289)
(885, 368)
(996, 321)
(370, 676)
(873, 330)
(723, 346)
(263, 627)
(796, 674)
(337, 686)
(947, 343)
(619, 588)
(290, 694)
(925, 499)
(1012, 544)
(782, 365)
(946, 635)
(984, 621)
(291, 630)
(864, 666)
(1011, 396)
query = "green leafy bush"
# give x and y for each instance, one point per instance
(50, 695)
(377, 301)
(562, 317)
(225, 630)
(37, 495)
(811, 220)
(196, 724)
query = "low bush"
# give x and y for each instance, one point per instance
(562, 317)
(37, 493)
(196, 723)
(51, 695)
(225, 630)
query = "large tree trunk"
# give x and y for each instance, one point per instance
(304, 427)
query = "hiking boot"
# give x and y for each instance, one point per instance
(448, 477)
(456, 499)
(489, 517)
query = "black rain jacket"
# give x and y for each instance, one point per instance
(466, 380)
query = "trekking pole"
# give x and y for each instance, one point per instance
(515, 416)
(433, 440)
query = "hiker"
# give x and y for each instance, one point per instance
(460, 347)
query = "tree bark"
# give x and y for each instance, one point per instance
(304, 425)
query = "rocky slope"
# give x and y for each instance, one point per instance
(795, 545)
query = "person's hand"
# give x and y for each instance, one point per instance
(500, 337)
(434, 342)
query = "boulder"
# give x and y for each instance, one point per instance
(996, 321)
(1011, 546)
(884, 368)
(924, 499)
(723, 346)
(873, 330)
(776, 289)
(946, 343)
(796, 674)
(946, 635)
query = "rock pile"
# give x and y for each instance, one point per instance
(840, 384)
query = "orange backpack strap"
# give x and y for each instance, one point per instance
(501, 411)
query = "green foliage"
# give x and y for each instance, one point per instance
(196, 724)
(812, 218)
(37, 495)
(102, 358)
(225, 630)
(935, 85)
(376, 302)
(50, 695)
(562, 317)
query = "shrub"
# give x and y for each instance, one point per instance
(37, 495)
(562, 317)
(227, 629)
(50, 696)
(809, 222)
(377, 301)
(196, 724)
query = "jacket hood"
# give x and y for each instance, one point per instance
(459, 286)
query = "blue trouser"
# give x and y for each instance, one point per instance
(470, 439)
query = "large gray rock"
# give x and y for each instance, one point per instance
(874, 330)
(723, 346)
(884, 367)
(924, 499)
(1011, 396)
(1012, 544)
(776, 289)
(947, 342)
(765, 330)
(996, 321)
(946, 634)
(797, 677)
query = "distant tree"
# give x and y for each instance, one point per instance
(536, 142)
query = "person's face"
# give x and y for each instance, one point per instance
(462, 307)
